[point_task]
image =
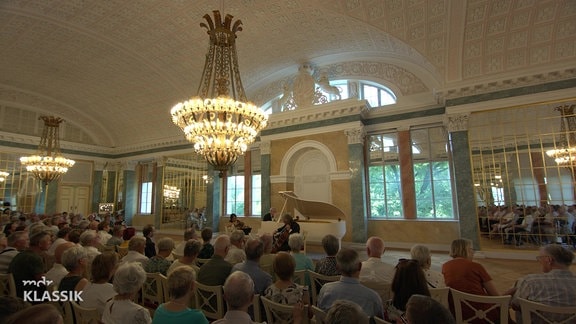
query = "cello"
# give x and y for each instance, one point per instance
(280, 238)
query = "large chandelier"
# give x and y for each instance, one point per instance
(48, 164)
(565, 152)
(220, 121)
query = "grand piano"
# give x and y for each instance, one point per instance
(316, 218)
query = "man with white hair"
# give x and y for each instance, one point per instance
(17, 241)
(374, 269)
(135, 253)
(90, 241)
(254, 250)
(236, 253)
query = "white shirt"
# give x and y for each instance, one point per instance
(56, 273)
(97, 295)
(54, 245)
(374, 269)
(125, 312)
(92, 252)
(133, 256)
(104, 237)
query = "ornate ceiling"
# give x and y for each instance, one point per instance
(113, 69)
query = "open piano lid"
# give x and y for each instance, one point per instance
(311, 209)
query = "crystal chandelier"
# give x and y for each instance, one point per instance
(565, 153)
(3, 176)
(48, 164)
(220, 121)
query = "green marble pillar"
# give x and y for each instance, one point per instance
(358, 201)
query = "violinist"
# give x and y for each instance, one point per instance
(281, 235)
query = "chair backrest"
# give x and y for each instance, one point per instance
(7, 285)
(200, 262)
(384, 289)
(210, 300)
(280, 313)
(533, 312)
(299, 277)
(65, 309)
(317, 281)
(319, 315)
(122, 251)
(153, 291)
(85, 315)
(379, 320)
(257, 308)
(440, 295)
(478, 307)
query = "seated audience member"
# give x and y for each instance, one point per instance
(555, 286)
(254, 249)
(180, 289)
(345, 312)
(189, 234)
(236, 253)
(409, 279)
(421, 254)
(303, 262)
(75, 260)
(10, 305)
(148, 232)
(191, 250)
(117, 233)
(127, 235)
(239, 294)
(100, 290)
(74, 235)
(61, 237)
(374, 269)
(422, 309)
(28, 264)
(267, 259)
(349, 287)
(327, 265)
(37, 314)
(103, 229)
(514, 230)
(127, 282)
(58, 271)
(91, 242)
(159, 263)
(136, 251)
(216, 270)
(207, 249)
(17, 241)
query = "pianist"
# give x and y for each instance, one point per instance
(281, 235)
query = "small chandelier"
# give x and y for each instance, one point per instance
(48, 164)
(565, 153)
(220, 121)
(3, 176)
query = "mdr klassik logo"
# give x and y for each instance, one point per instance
(32, 294)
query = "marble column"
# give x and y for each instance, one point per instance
(130, 191)
(48, 198)
(265, 177)
(97, 178)
(407, 174)
(356, 162)
(158, 204)
(463, 183)
(213, 208)
(248, 183)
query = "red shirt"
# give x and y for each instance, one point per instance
(464, 275)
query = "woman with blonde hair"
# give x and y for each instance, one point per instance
(97, 293)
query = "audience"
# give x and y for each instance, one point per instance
(409, 279)
(236, 253)
(58, 271)
(327, 265)
(61, 237)
(103, 229)
(216, 270)
(374, 269)
(422, 309)
(91, 242)
(10, 305)
(127, 235)
(128, 280)
(207, 249)
(100, 290)
(75, 260)
(117, 233)
(254, 249)
(421, 254)
(345, 312)
(180, 289)
(37, 314)
(159, 262)
(135, 253)
(148, 232)
(189, 234)
(349, 287)
(555, 286)
(267, 259)
(296, 244)
(17, 241)
(191, 249)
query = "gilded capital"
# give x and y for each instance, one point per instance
(355, 135)
(265, 147)
(457, 122)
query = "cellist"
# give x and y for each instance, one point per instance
(281, 235)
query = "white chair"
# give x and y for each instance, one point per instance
(319, 315)
(153, 291)
(479, 306)
(257, 308)
(85, 315)
(382, 288)
(7, 285)
(533, 312)
(280, 313)
(300, 277)
(210, 300)
(441, 295)
(317, 281)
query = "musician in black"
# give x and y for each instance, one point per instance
(281, 235)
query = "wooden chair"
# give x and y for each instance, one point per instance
(280, 313)
(85, 315)
(319, 315)
(441, 295)
(479, 306)
(317, 281)
(533, 312)
(7, 285)
(257, 308)
(200, 262)
(210, 300)
(122, 251)
(382, 288)
(153, 291)
(300, 277)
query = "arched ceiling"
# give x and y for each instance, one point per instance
(113, 69)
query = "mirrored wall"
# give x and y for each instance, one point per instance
(524, 196)
(18, 188)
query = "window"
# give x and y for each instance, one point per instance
(384, 177)
(256, 194)
(146, 198)
(376, 95)
(235, 195)
(432, 180)
(146, 176)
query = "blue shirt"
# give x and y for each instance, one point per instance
(261, 278)
(348, 288)
(187, 316)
